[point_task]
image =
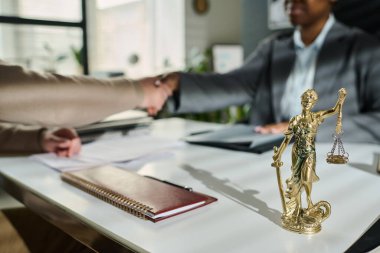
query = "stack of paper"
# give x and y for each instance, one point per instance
(136, 149)
(123, 120)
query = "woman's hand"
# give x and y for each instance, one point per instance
(276, 128)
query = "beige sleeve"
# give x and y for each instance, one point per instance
(56, 100)
(20, 138)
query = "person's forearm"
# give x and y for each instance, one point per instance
(20, 139)
(207, 92)
(56, 100)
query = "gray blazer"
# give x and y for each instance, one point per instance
(349, 58)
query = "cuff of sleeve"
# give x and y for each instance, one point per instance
(39, 139)
(185, 94)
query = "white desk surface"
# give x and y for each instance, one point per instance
(246, 217)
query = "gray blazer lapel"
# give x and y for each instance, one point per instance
(329, 64)
(282, 63)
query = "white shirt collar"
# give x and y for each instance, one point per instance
(317, 43)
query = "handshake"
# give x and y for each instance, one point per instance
(156, 91)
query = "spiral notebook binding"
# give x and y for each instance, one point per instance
(129, 205)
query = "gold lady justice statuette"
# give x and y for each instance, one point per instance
(304, 129)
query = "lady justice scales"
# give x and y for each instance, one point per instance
(303, 128)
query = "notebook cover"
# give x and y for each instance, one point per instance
(134, 193)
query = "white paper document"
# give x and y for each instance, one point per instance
(126, 149)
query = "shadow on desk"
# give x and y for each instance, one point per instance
(370, 240)
(374, 168)
(246, 198)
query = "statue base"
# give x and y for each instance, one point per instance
(309, 219)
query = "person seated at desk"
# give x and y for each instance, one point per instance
(52, 100)
(321, 53)
(16, 138)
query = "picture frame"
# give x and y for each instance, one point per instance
(226, 57)
(277, 17)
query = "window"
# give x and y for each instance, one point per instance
(58, 10)
(131, 37)
(44, 35)
(136, 37)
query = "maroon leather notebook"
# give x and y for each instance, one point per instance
(141, 196)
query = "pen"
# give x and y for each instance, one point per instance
(200, 132)
(187, 188)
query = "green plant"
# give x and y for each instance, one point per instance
(202, 63)
(52, 58)
(78, 54)
(199, 62)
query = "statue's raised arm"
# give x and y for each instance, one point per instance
(336, 109)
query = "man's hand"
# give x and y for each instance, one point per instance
(64, 142)
(272, 128)
(155, 94)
